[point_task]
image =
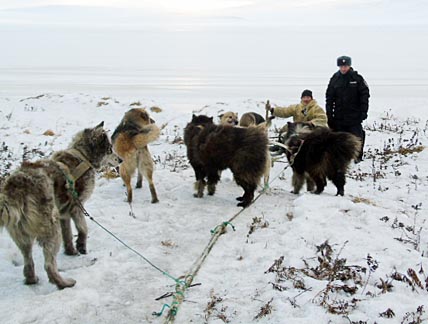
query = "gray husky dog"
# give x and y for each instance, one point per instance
(38, 200)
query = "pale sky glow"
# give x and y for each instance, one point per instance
(255, 12)
(180, 6)
(191, 6)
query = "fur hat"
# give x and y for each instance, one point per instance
(306, 93)
(344, 60)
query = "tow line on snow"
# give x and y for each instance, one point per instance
(181, 285)
(180, 289)
(165, 273)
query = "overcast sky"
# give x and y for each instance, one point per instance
(256, 12)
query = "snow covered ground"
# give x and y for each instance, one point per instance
(377, 232)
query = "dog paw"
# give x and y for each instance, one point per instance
(70, 251)
(196, 195)
(32, 280)
(243, 204)
(340, 193)
(66, 283)
(81, 249)
(239, 199)
(155, 200)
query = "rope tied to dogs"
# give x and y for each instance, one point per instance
(222, 226)
(71, 178)
(74, 175)
(165, 273)
(178, 297)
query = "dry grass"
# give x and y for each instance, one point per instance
(135, 104)
(49, 132)
(363, 200)
(155, 109)
(168, 244)
(265, 310)
(102, 103)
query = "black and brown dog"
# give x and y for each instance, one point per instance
(212, 148)
(317, 154)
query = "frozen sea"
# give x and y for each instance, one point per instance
(188, 67)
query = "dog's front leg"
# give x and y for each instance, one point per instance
(310, 184)
(67, 237)
(320, 182)
(297, 180)
(249, 189)
(200, 182)
(213, 178)
(82, 230)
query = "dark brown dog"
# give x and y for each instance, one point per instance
(212, 148)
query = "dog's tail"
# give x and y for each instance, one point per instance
(3, 211)
(346, 145)
(148, 134)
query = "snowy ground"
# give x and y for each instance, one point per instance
(378, 232)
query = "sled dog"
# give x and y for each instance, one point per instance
(38, 200)
(212, 148)
(317, 154)
(130, 139)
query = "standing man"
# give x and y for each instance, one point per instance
(347, 101)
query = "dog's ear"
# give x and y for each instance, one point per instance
(236, 115)
(193, 117)
(211, 119)
(220, 116)
(152, 121)
(100, 125)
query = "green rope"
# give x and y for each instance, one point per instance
(265, 187)
(71, 187)
(172, 309)
(224, 224)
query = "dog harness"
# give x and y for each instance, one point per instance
(77, 172)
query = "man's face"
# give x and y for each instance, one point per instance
(306, 99)
(344, 69)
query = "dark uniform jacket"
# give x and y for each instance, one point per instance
(347, 99)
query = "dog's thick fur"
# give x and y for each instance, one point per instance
(248, 119)
(317, 153)
(229, 118)
(211, 148)
(36, 202)
(130, 140)
(251, 119)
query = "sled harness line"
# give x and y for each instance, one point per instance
(165, 273)
(180, 289)
(77, 172)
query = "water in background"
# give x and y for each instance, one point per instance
(197, 67)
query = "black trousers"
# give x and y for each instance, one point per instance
(357, 130)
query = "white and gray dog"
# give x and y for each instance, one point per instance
(40, 198)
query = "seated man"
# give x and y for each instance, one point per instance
(306, 111)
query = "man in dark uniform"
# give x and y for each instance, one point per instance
(347, 100)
